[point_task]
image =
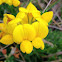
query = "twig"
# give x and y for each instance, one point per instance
(19, 60)
(25, 4)
(40, 4)
(48, 42)
(12, 51)
(47, 6)
(46, 1)
(56, 22)
(57, 60)
(1, 21)
(58, 53)
(22, 56)
(55, 27)
(3, 58)
(58, 17)
(4, 47)
(56, 13)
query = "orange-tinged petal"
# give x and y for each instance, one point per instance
(12, 24)
(2, 27)
(7, 18)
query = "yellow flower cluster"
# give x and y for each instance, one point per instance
(11, 2)
(28, 28)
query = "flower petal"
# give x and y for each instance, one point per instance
(41, 29)
(18, 34)
(26, 46)
(12, 24)
(7, 39)
(16, 3)
(1, 2)
(38, 43)
(31, 8)
(3, 27)
(7, 18)
(47, 16)
(20, 15)
(9, 2)
(21, 9)
(29, 32)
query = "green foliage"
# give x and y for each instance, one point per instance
(5, 8)
(10, 59)
(0, 31)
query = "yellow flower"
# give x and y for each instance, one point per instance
(12, 24)
(2, 34)
(23, 17)
(7, 39)
(26, 18)
(18, 34)
(28, 28)
(30, 18)
(16, 3)
(40, 20)
(42, 47)
(21, 9)
(31, 12)
(2, 27)
(38, 43)
(47, 16)
(1, 2)
(9, 2)
(20, 15)
(24, 32)
(4, 1)
(29, 32)
(30, 8)
(9, 23)
(41, 29)
(7, 18)
(26, 46)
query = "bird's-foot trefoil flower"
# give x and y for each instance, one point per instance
(28, 28)
(10, 2)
